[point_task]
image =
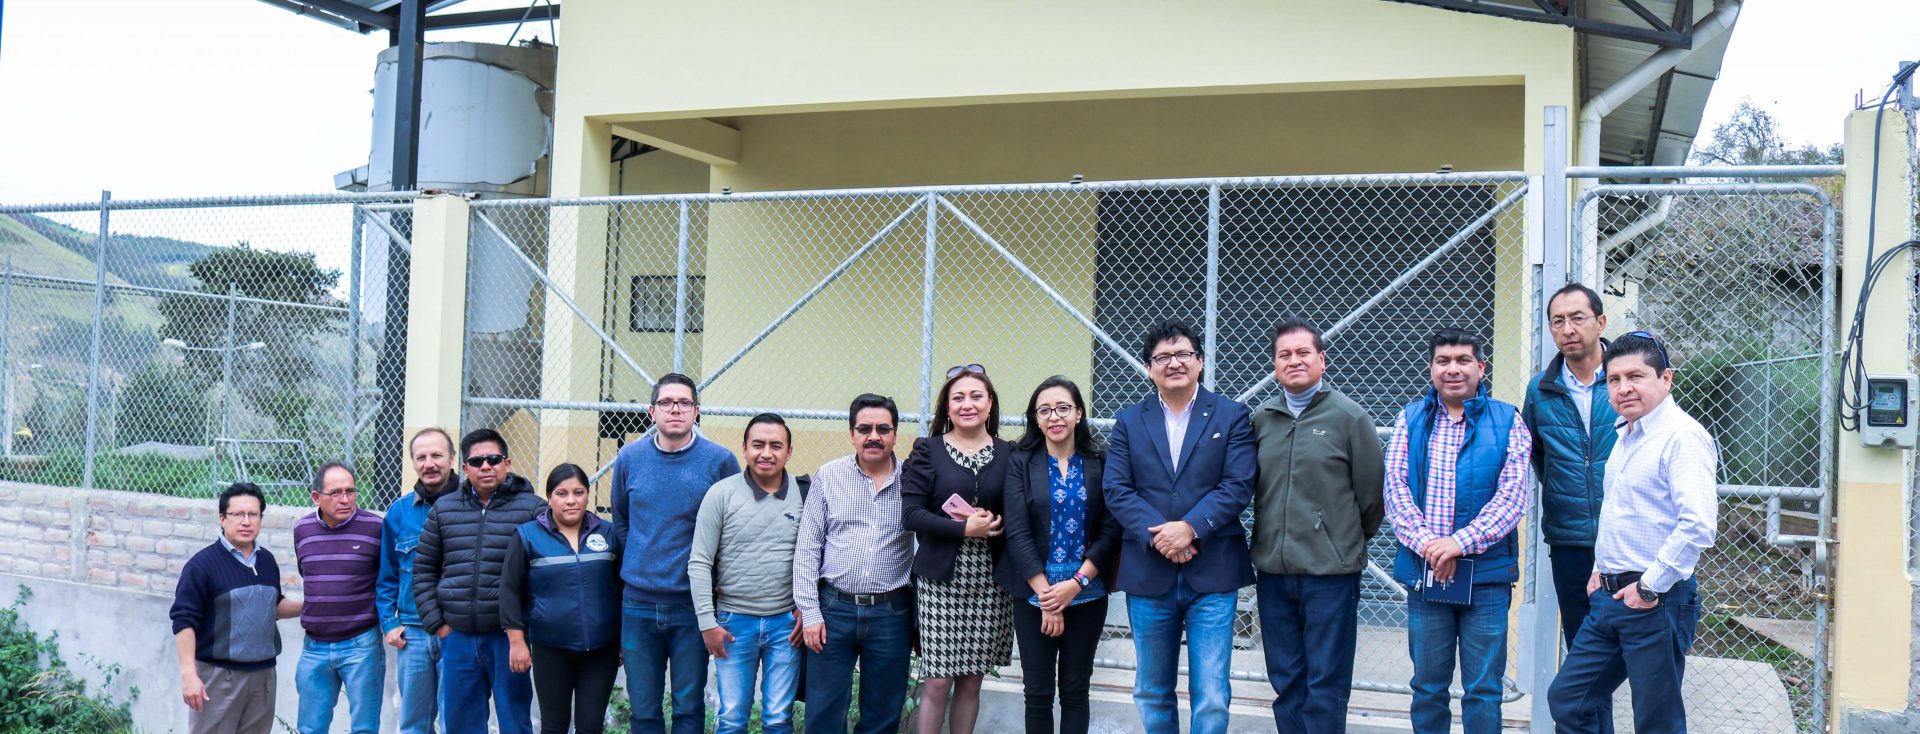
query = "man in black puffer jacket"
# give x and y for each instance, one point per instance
(456, 583)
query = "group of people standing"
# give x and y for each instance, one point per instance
(790, 583)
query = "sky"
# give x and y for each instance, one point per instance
(162, 98)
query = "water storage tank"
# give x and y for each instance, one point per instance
(486, 120)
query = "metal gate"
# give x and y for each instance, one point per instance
(1739, 280)
(795, 302)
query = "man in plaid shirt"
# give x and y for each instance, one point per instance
(1456, 487)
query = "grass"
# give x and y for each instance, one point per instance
(144, 473)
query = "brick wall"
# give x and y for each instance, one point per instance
(124, 540)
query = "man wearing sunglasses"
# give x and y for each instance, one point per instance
(850, 586)
(456, 580)
(658, 484)
(1660, 513)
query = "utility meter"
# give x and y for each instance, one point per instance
(1890, 411)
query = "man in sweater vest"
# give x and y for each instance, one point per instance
(1456, 487)
(658, 484)
(223, 613)
(743, 543)
(338, 551)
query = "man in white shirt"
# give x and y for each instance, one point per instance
(1660, 512)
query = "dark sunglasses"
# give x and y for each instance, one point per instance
(1666, 362)
(968, 369)
(884, 429)
(488, 460)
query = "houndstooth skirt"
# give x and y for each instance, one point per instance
(966, 622)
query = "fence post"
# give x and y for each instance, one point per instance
(226, 361)
(93, 350)
(1213, 279)
(6, 365)
(1541, 616)
(680, 295)
(926, 316)
(354, 244)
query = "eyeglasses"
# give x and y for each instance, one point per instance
(348, 492)
(1050, 411)
(242, 516)
(1161, 360)
(1666, 362)
(1578, 320)
(864, 429)
(966, 369)
(675, 406)
(488, 460)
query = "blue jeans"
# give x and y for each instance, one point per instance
(1308, 628)
(1649, 648)
(1157, 622)
(418, 679)
(1478, 631)
(472, 668)
(356, 663)
(656, 638)
(759, 649)
(1572, 567)
(879, 638)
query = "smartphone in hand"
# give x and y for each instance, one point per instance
(957, 508)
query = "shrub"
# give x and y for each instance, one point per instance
(39, 693)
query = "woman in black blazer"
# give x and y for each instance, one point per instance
(1060, 541)
(966, 624)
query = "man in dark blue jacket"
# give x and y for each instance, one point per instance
(1572, 422)
(1179, 473)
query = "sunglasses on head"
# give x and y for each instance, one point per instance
(488, 460)
(1666, 362)
(965, 369)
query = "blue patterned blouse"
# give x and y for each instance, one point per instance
(1067, 532)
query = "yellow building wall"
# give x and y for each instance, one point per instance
(860, 94)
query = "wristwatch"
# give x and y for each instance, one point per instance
(1082, 580)
(1648, 595)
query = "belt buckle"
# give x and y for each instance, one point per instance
(866, 600)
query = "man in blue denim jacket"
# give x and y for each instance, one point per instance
(419, 651)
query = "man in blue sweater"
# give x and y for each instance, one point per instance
(657, 488)
(223, 622)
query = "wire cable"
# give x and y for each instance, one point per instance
(1852, 376)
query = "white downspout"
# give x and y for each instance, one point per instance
(1600, 105)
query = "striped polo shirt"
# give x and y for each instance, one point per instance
(338, 569)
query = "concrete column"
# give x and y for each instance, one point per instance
(437, 323)
(576, 251)
(1873, 598)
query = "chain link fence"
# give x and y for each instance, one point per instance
(1738, 281)
(795, 303)
(176, 346)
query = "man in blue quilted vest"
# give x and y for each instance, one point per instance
(1456, 487)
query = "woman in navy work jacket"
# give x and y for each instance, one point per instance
(560, 603)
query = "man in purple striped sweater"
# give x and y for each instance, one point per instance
(338, 551)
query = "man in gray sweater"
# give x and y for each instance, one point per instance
(741, 573)
(1316, 501)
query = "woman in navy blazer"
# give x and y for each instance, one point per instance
(1060, 541)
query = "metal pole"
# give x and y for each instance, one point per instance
(93, 349)
(226, 363)
(926, 317)
(1213, 279)
(353, 335)
(6, 366)
(411, 38)
(680, 295)
(1543, 616)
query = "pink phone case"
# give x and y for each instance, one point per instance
(957, 508)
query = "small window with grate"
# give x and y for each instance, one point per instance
(651, 308)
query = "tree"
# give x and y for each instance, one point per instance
(161, 404)
(1751, 137)
(269, 380)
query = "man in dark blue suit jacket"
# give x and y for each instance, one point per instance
(1179, 473)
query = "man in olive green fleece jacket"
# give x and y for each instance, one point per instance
(1316, 502)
